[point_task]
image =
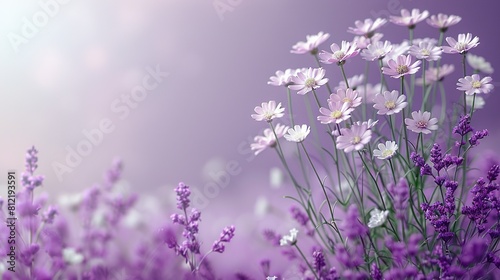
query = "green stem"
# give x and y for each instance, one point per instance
(308, 264)
(316, 98)
(473, 104)
(383, 82)
(424, 92)
(319, 179)
(289, 95)
(411, 35)
(465, 74)
(343, 74)
(393, 171)
(319, 65)
(404, 126)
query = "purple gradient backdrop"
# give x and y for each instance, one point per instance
(65, 79)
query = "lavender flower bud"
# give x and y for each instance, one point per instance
(299, 216)
(195, 215)
(351, 225)
(178, 219)
(414, 244)
(375, 273)
(227, 234)
(28, 254)
(273, 237)
(49, 215)
(478, 135)
(439, 180)
(417, 159)
(218, 247)
(437, 157)
(425, 170)
(225, 237)
(183, 193)
(31, 160)
(493, 172)
(114, 173)
(319, 261)
(463, 127)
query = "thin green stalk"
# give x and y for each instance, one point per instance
(473, 104)
(393, 171)
(343, 74)
(316, 98)
(465, 74)
(392, 128)
(363, 112)
(425, 93)
(319, 179)
(307, 262)
(319, 65)
(443, 102)
(404, 126)
(383, 82)
(290, 111)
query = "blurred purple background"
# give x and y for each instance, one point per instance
(70, 74)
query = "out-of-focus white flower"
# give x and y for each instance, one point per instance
(377, 218)
(478, 103)
(386, 151)
(480, 64)
(289, 239)
(71, 256)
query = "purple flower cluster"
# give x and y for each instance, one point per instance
(485, 199)
(463, 126)
(439, 217)
(225, 237)
(352, 226)
(190, 246)
(400, 193)
(302, 219)
(84, 237)
(28, 179)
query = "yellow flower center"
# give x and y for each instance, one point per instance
(402, 69)
(379, 52)
(425, 52)
(347, 100)
(339, 54)
(476, 84)
(390, 105)
(387, 153)
(310, 82)
(356, 140)
(336, 114)
(461, 47)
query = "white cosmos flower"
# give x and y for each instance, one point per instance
(291, 238)
(385, 151)
(298, 133)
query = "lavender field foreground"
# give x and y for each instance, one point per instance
(384, 171)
